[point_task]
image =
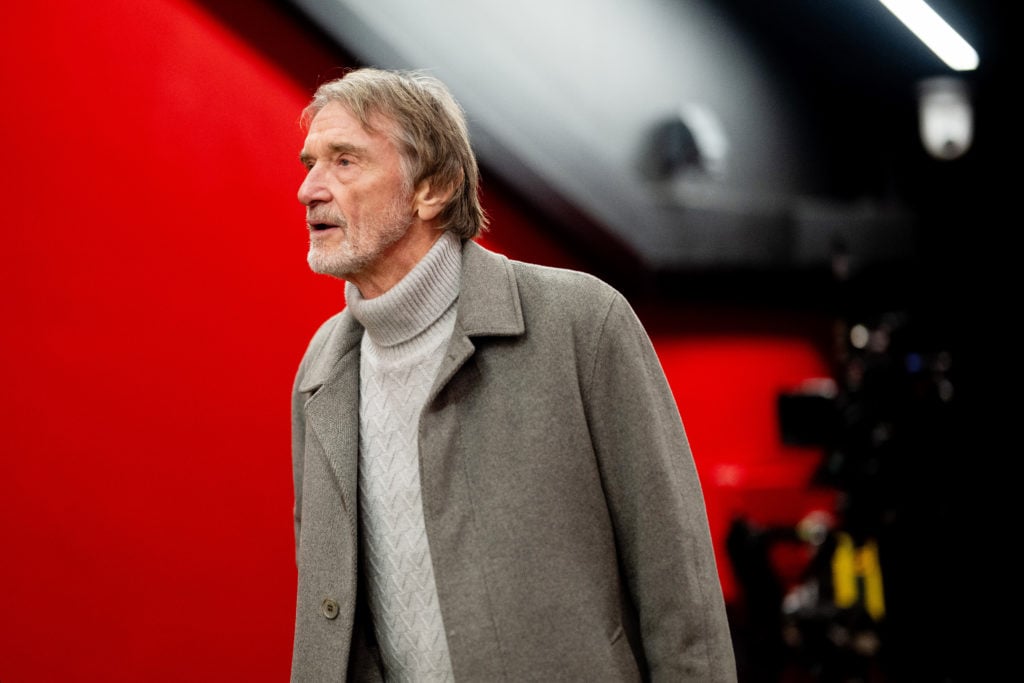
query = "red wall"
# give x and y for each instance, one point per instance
(155, 303)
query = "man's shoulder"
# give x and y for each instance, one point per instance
(564, 287)
(534, 275)
(556, 275)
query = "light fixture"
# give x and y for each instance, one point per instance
(945, 116)
(934, 32)
(692, 139)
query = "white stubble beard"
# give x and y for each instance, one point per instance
(361, 246)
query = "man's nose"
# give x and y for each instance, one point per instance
(313, 188)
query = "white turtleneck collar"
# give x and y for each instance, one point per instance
(417, 301)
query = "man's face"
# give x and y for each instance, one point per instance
(358, 201)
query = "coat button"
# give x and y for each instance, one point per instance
(329, 608)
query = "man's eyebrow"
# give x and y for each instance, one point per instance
(345, 148)
(333, 149)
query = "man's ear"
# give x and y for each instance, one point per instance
(430, 199)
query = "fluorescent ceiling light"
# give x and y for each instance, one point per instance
(934, 32)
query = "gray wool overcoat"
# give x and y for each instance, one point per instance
(565, 518)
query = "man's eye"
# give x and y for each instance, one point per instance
(344, 162)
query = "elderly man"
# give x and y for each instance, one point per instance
(492, 480)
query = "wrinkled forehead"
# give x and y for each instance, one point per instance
(372, 119)
(337, 124)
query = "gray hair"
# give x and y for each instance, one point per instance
(430, 133)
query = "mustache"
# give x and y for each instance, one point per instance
(325, 216)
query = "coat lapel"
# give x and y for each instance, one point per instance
(488, 306)
(333, 409)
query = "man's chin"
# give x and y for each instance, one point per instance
(328, 264)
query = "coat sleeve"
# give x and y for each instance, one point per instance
(657, 505)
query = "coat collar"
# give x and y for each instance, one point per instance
(343, 334)
(488, 294)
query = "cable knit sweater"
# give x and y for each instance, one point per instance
(406, 331)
